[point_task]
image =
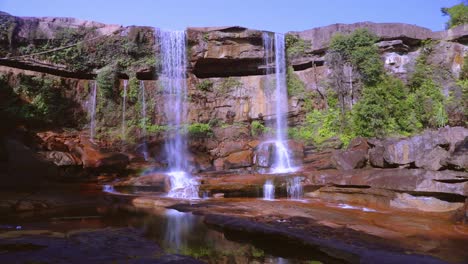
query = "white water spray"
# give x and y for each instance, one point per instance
(268, 190)
(92, 112)
(143, 120)
(294, 188)
(174, 81)
(124, 102)
(282, 162)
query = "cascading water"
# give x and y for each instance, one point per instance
(282, 163)
(143, 120)
(92, 112)
(294, 188)
(124, 102)
(173, 77)
(268, 190)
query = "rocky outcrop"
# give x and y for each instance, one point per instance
(355, 157)
(431, 150)
(415, 180)
(228, 51)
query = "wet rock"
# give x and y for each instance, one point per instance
(296, 151)
(239, 159)
(228, 147)
(450, 182)
(263, 155)
(93, 157)
(151, 179)
(424, 203)
(61, 158)
(365, 195)
(202, 162)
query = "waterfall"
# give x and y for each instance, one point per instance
(268, 190)
(144, 121)
(174, 81)
(294, 188)
(282, 162)
(124, 102)
(92, 112)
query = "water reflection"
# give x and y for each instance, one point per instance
(176, 232)
(179, 227)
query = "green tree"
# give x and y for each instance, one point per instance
(358, 49)
(458, 15)
(384, 109)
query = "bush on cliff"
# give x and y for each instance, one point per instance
(458, 15)
(199, 130)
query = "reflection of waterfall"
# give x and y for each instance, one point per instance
(178, 229)
(124, 102)
(294, 188)
(144, 121)
(92, 112)
(268, 190)
(108, 188)
(281, 163)
(173, 77)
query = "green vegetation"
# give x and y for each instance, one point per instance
(106, 79)
(384, 109)
(458, 15)
(295, 86)
(227, 85)
(199, 130)
(296, 46)
(358, 49)
(369, 102)
(36, 100)
(132, 90)
(204, 85)
(257, 128)
(426, 98)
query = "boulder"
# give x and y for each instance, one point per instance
(459, 158)
(318, 161)
(376, 158)
(239, 159)
(349, 159)
(92, 157)
(433, 160)
(429, 150)
(60, 158)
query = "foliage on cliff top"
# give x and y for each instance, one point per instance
(359, 50)
(295, 46)
(458, 15)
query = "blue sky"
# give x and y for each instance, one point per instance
(272, 15)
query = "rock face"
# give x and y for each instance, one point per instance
(355, 157)
(431, 150)
(227, 88)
